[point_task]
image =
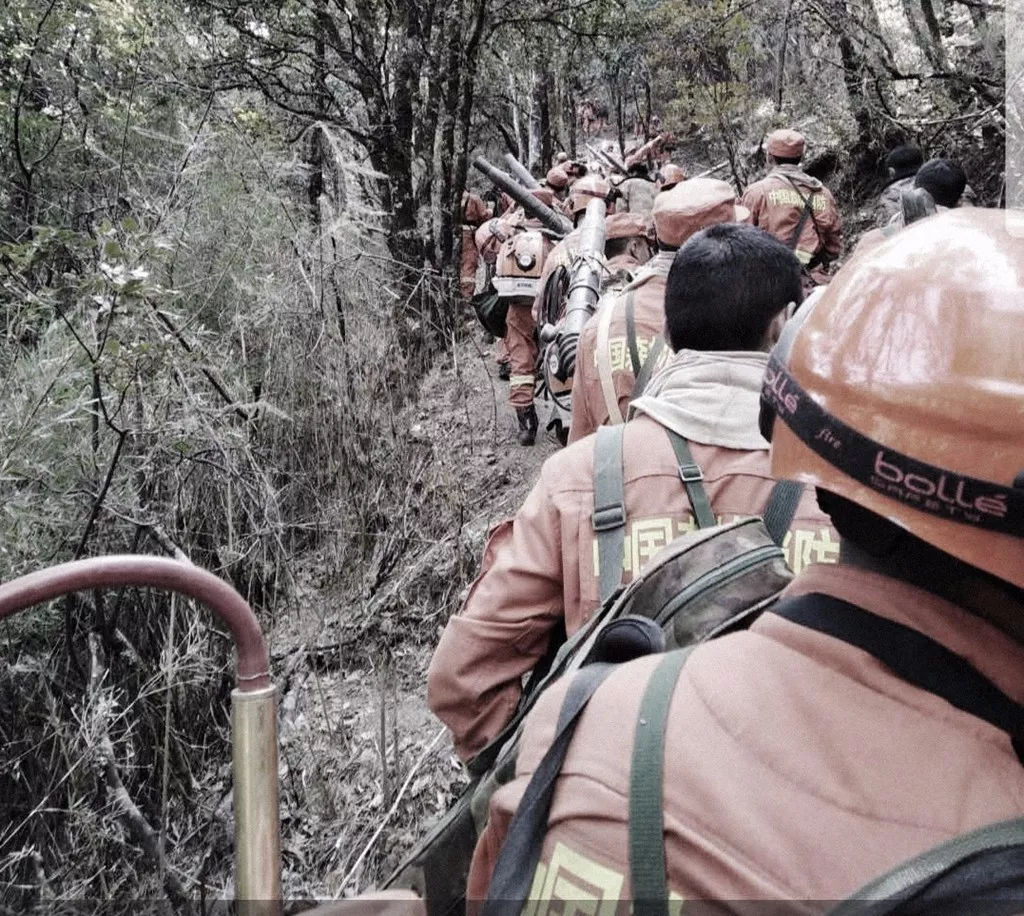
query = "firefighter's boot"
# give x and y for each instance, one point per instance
(527, 417)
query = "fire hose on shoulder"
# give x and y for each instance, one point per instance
(584, 291)
(552, 221)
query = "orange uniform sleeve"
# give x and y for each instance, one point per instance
(474, 681)
(583, 421)
(753, 200)
(830, 226)
(476, 210)
(538, 734)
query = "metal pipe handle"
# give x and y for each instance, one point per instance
(253, 670)
(253, 701)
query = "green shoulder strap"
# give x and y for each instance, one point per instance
(692, 477)
(514, 871)
(808, 212)
(647, 369)
(781, 507)
(609, 518)
(646, 777)
(634, 350)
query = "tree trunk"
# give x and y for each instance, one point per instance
(865, 150)
(620, 130)
(545, 123)
(935, 33)
(398, 132)
(537, 103)
(315, 149)
(780, 58)
(445, 221)
(464, 117)
(569, 103)
(518, 127)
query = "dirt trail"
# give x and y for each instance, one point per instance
(354, 723)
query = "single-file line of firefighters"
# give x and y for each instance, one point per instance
(814, 750)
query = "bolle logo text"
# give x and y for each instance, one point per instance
(779, 386)
(939, 489)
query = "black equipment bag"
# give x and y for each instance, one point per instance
(981, 872)
(491, 311)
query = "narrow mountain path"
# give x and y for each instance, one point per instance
(365, 766)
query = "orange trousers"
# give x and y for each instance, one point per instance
(467, 263)
(521, 344)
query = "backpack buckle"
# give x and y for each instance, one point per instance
(606, 518)
(690, 473)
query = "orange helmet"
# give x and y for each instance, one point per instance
(670, 175)
(585, 190)
(902, 388)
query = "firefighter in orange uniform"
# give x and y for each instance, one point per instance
(669, 175)
(604, 382)
(581, 193)
(521, 251)
(474, 214)
(797, 209)
(558, 181)
(832, 741)
(726, 293)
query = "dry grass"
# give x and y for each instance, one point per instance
(246, 403)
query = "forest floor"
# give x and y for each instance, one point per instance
(365, 766)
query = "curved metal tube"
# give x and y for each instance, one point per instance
(584, 287)
(253, 671)
(502, 180)
(253, 701)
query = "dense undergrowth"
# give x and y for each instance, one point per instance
(213, 381)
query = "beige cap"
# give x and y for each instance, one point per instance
(671, 174)
(693, 205)
(624, 226)
(557, 179)
(786, 143)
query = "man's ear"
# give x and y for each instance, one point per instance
(771, 336)
(639, 249)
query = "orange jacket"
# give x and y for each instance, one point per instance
(474, 210)
(797, 768)
(589, 409)
(540, 567)
(776, 203)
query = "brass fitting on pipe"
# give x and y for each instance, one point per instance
(257, 819)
